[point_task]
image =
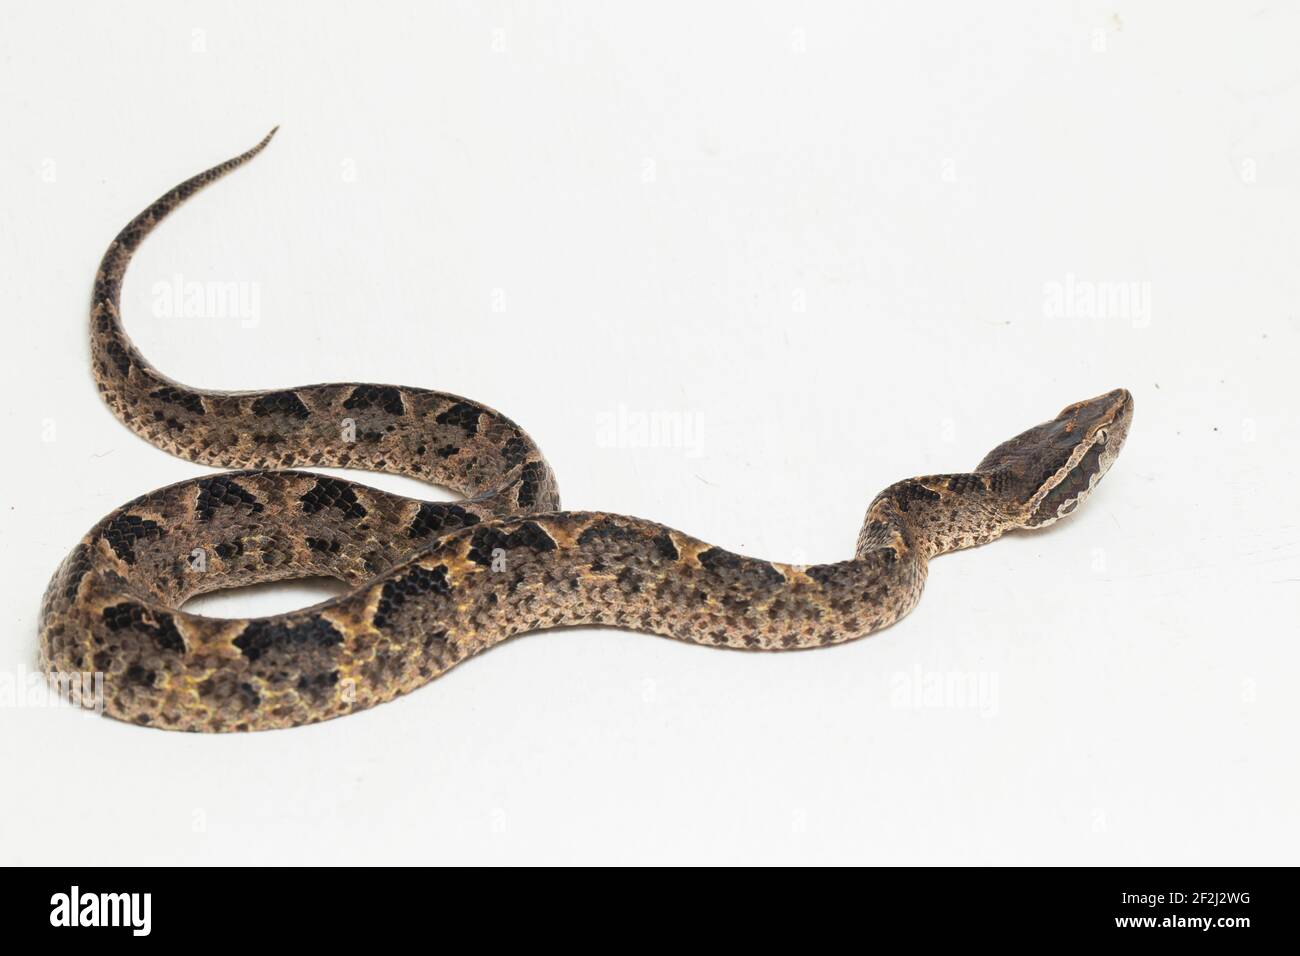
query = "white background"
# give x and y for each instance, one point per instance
(824, 242)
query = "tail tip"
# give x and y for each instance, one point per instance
(267, 138)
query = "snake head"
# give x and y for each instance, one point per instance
(1051, 468)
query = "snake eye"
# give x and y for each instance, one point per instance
(1101, 437)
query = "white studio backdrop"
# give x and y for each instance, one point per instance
(736, 267)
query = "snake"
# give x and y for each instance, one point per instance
(428, 584)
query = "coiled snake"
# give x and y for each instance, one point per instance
(432, 583)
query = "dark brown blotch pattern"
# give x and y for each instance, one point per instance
(427, 588)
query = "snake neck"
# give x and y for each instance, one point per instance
(934, 514)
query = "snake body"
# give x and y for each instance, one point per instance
(432, 583)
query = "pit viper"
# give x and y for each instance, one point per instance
(430, 584)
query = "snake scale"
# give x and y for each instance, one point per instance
(432, 583)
